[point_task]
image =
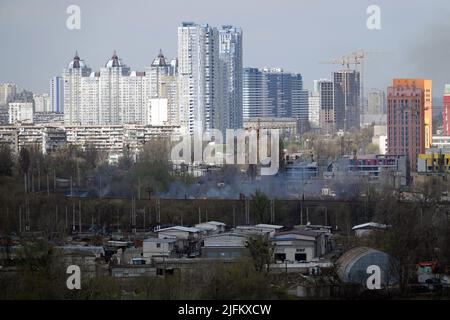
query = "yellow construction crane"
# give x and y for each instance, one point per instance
(355, 59)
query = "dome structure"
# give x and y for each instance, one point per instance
(160, 60)
(114, 61)
(76, 62)
(352, 266)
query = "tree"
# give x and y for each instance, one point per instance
(261, 204)
(261, 250)
(412, 236)
(24, 160)
(372, 148)
(6, 160)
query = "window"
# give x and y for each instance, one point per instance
(300, 257)
(158, 245)
(280, 256)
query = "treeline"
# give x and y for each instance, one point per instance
(40, 274)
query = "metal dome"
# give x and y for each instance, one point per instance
(160, 60)
(76, 62)
(114, 61)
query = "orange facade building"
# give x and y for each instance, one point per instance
(427, 87)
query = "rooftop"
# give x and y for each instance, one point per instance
(160, 240)
(370, 225)
(180, 228)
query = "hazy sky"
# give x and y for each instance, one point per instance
(293, 34)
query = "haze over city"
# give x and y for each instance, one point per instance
(294, 35)
(224, 150)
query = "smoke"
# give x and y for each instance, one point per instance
(430, 53)
(281, 186)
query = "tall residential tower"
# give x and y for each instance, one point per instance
(199, 95)
(230, 56)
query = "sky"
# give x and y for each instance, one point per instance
(296, 35)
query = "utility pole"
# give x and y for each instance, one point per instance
(143, 217)
(234, 216)
(139, 188)
(100, 186)
(20, 219)
(79, 216)
(73, 217)
(39, 179)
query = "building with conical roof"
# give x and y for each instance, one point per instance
(72, 82)
(162, 84)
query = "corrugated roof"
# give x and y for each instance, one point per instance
(369, 225)
(180, 228)
(161, 240)
(268, 226)
(351, 256)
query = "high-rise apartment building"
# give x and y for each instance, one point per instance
(230, 56)
(446, 111)
(113, 96)
(327, 115)
(406, 121)
(254, 95)
(427, 87)
(271, 92)
(376, 102)
(90, 100)
(162, 83)
(314, 110)
(347, 100)
(111, 107)
(57, 94)
(198, 73)
(72, 77)
(299, 102)
(42, 102)
(8, 92)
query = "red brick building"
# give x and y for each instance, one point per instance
(446, 111)
(406, 128)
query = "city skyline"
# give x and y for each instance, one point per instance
(265, 45)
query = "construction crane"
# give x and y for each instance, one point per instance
(355, 59)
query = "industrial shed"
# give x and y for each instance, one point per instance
(352, 266)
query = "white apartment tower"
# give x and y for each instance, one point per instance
(7, 93)
(113, 96)
(20, 112)
(198, 72)
(90, 99)
(42, 102)
(111, 81)
(72, 78)
(162, 83)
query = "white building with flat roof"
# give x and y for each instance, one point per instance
(42, 102)
(20, 112)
